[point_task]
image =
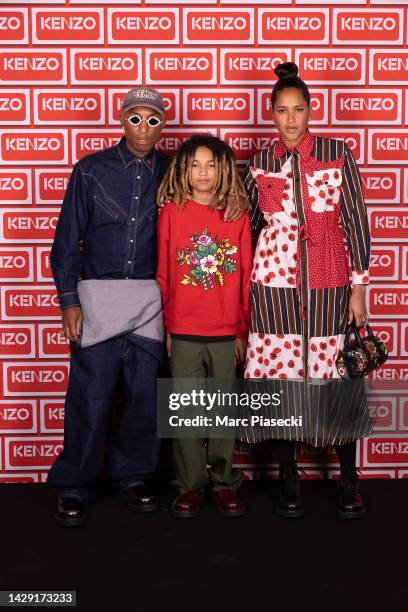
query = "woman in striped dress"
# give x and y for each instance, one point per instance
(306, 198)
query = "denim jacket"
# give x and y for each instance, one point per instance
(110, 205)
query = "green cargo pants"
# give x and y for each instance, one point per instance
(194, 359)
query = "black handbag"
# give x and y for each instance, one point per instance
(360, 356)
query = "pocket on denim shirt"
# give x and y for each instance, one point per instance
(108, 206)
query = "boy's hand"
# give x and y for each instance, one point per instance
(240, 349)
(168, 344)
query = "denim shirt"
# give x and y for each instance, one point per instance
(110, 205)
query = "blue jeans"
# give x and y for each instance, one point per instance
(93, 378)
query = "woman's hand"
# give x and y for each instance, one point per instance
(233, 210)
(240, 349)
(168, 344)
(357, 306)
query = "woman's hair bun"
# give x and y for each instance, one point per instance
(286, 71)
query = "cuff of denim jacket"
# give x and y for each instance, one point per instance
(360, 278)
(69, 299)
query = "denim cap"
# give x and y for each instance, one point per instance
(143, 96)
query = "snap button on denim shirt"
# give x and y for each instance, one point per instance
(110, 205)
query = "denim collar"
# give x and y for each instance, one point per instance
(128, 158)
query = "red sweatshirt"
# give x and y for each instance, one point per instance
(204, 271)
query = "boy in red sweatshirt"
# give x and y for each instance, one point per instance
(204, 274)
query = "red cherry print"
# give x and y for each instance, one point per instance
(316, 367)
(266, 263)
(297, 342)
(291, 363)
(276, 260)
(257, 373)
(252, 354)
(260, 359)
(280, 336)
(267, 239)
(291, 236)
(279, 365)
(294, 256)
(264, 376)
(267, 279)
(273, 356)
(287, 345)
(293, 228)
(313, 347)
(322, 193)
(336, 174)
(269, 252)
(291, 280)
(329, 363)
(323, 346)
(285, 196)
(312, 199)
(283, 375)
(289, 174)
(272, 372)
(259, 349)
(261, 336)
(286, 186)
(292, 270)
(325, 176)
(284, 229)
(325, 375)
(282, 272)
(296, 353)
(331, 191)
(257, 266)
(301, 372)
(262, 253)
(284, 248)
(275, 248)
(268, 342)
(266, 362)
(253, 276)
(332, 342)
(272, 274)
(247, 375)
(322, 357)
(293, 215)
(278, 350)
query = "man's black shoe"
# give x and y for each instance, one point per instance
(70, 512)
(290, 503)
(349, 502)
(140, 499)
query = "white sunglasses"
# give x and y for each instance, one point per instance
(151, 121)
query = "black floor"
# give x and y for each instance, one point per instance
(152, 563)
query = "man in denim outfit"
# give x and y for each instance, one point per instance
(110, 206)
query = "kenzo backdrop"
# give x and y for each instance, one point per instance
(64, 66)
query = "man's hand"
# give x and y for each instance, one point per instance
(357, 306)
(71, 323)
(168, 344)
(240, 349)
(233, 210)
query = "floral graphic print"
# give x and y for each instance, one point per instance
(208, 259)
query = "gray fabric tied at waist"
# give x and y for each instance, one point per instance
(114, 308)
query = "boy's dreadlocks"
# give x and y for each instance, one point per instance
(176, 185)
